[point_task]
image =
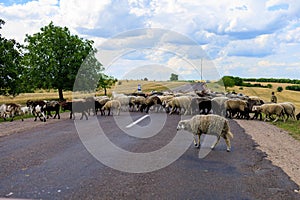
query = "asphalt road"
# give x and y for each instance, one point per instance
(51, 162)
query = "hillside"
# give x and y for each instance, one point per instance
(265, 93)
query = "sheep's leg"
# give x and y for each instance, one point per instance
(214, 145)
(227, 141)
(199, 141)
(195, 142)
(277, 119)
(44, 117)
(172, 110)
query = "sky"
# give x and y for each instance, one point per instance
(153, 38)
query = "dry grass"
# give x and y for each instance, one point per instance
(122, 86)
(265, 93)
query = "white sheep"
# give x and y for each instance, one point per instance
(182, 102)
(207, 124)
(289, 109)
(270, 109)
(124, 100)
(26, 110)
(112, 104)
(218, 105)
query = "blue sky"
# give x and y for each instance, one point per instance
(232, 37)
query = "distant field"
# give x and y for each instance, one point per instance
(131, 86)
(265, 93)
(122, 86)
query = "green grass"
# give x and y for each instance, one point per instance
(291, 126)
(16, 118)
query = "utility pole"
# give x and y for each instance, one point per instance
(201, 70)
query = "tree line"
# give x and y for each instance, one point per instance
(274, 80)
(52, 58)
(230, 81)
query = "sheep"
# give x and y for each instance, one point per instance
(254, 101)
(138, 102)
(270, 109)
(99, 103)
(38, 109)
(298, 116)
(180, 102)
(202, 104)
(207, 124)
(112, 104)
(164, 99)
(289, 109)
(233, 106)
(52, 106)
(25, 110)
(151, 101)
(11, 110)
(78, 105)
(218, 105)
(124, 100)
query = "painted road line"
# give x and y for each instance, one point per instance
(137, 121)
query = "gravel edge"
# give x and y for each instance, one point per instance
(281, 148)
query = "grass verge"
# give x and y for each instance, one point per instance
(291, 126)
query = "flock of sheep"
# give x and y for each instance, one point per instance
(227, 105)
(209, 110)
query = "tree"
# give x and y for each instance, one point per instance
(269, 86)
(279, 89)
(227, 81)
(106, 82)
(174, 77)
(10, 66)
(54, 57)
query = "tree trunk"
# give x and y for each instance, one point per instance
(60, 94)
(105, 92)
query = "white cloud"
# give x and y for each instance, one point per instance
(240, 36)
(85, 14)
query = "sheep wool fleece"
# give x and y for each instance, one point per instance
(209, 124)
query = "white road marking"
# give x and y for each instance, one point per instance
(137, 121)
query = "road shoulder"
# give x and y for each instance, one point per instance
(281, 149)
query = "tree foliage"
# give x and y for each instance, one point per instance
(228, 81)
(174, 77)
(10, 66)
(279, 89)
(293, 87)
(106, 82)
(273, 80)
(55, 59)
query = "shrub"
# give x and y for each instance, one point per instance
(279, 89)
(269, 86)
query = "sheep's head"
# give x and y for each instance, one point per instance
(182, 125)
(256, 108)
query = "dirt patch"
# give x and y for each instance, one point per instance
(281, 148)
